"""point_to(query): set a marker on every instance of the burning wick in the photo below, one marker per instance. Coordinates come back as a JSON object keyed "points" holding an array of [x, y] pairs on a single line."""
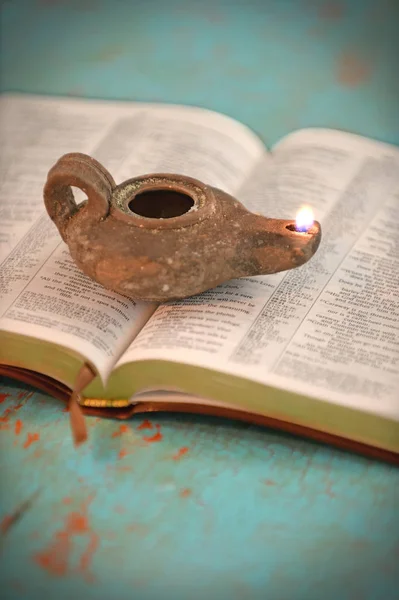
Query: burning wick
{"points": [[304, 219]]}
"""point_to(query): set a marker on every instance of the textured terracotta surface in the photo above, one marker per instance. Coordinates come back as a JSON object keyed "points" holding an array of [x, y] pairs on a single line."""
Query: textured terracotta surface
{"points": [[161, 236]]}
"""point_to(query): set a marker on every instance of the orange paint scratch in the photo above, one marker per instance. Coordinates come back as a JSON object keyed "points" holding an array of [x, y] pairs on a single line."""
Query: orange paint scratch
{"points": [[12, 519], [9, 411], [352, 70], [31, 438], [139, 528], [122, 453], [122, 429], [77, 523], [86, 558], [18, 427], [4, 397], [332, 10], [185, 493], [157, 437], [146, 425], [181, 452], [6, 523], [56, 557]]}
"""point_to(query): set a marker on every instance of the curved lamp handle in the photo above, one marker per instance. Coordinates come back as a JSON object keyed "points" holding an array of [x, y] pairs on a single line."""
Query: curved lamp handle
{"points": [[82, 171]]}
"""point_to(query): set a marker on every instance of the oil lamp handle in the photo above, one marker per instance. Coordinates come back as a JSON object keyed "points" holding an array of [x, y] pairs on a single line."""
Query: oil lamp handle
{"points": [[82, 171]]}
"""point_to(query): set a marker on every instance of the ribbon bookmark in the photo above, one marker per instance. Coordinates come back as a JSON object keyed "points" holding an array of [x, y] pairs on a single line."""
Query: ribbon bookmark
{"points": [[76, 417]]}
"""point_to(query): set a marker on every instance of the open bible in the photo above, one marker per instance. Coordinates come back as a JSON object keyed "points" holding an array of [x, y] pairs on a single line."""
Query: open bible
{"points": [[314, 351]]}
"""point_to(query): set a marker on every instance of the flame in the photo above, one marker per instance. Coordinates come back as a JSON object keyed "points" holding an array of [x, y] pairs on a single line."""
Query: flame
{"points": [[304, 219]]}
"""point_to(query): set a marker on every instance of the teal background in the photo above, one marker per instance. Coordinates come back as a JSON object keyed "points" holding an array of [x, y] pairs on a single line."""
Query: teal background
{"points": [[241, 511]]}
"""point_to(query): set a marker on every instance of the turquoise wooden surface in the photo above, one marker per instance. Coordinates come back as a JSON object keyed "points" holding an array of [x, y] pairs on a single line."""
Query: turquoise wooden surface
{"points": [[207, 507]]}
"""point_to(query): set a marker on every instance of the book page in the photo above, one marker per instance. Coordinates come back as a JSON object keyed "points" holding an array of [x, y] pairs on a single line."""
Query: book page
{"points": [[328, 329], [42, 293]]}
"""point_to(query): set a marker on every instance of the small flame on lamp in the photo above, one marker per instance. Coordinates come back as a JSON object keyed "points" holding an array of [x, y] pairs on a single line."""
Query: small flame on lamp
{"points": [[304, 219]]}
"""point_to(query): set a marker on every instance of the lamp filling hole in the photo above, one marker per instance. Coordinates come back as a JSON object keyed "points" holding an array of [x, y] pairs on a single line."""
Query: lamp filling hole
{"points": [[161, 204]]}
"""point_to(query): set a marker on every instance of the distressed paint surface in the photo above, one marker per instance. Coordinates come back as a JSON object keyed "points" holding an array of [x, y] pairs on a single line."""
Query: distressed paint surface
{"points": [[192, 506], [274, 65], [186, 507]]}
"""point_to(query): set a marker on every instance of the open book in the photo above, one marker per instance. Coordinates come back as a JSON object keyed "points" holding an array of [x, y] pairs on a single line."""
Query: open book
{"points": [[313, 350]]}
